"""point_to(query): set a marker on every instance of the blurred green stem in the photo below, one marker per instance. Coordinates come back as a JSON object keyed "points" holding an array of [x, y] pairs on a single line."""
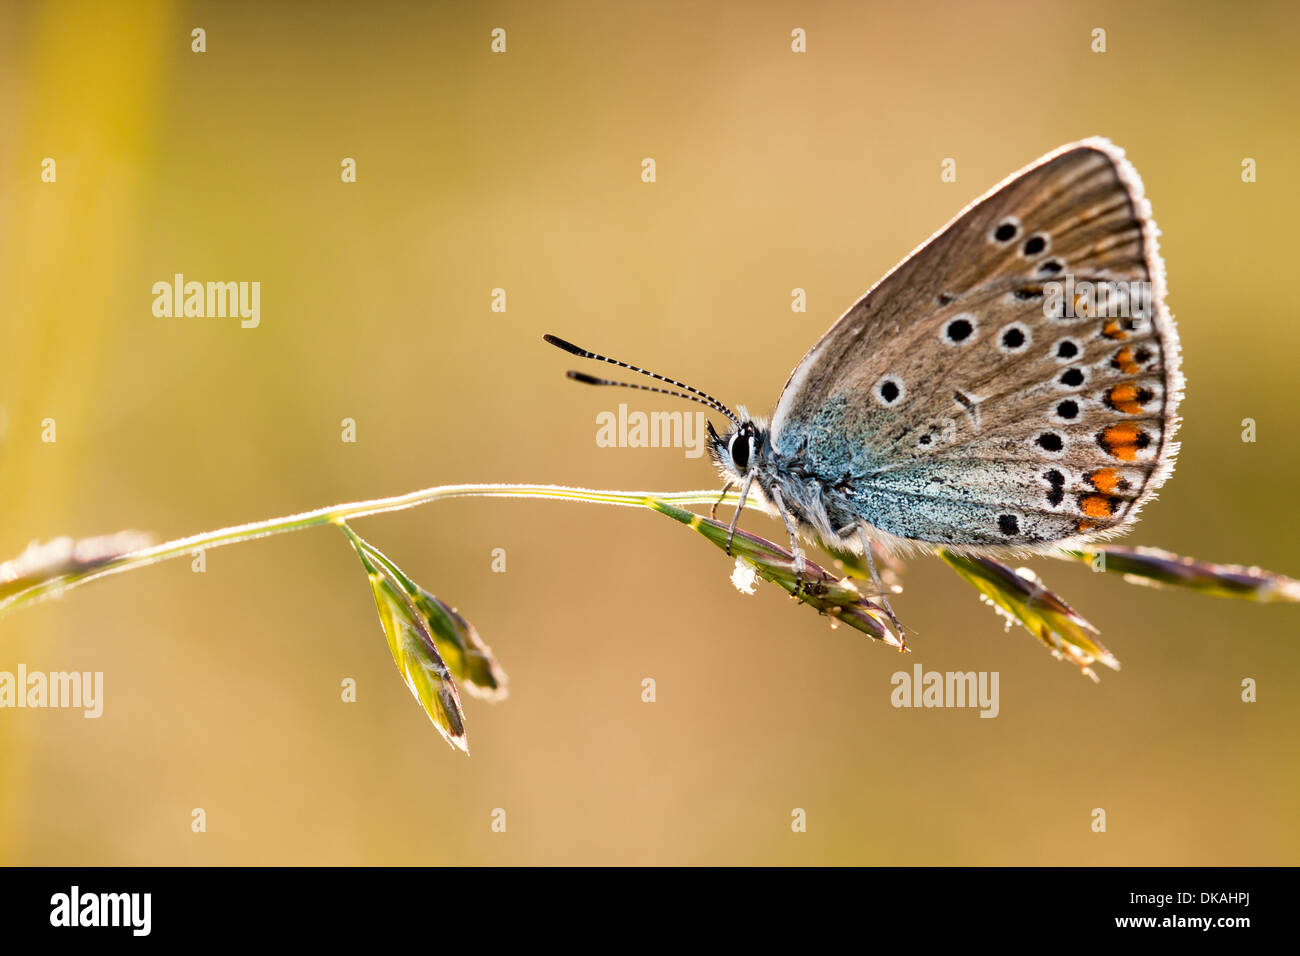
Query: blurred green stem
{"points": [[338, 514]]}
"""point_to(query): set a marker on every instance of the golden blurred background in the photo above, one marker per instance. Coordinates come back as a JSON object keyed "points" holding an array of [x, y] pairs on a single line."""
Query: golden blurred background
{"points": [[522, 171]]}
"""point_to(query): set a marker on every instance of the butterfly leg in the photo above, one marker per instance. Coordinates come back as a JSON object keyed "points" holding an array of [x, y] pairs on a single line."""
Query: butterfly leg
{"points": [[875, 579], [800, 561], [713, 512], [740, 506]]}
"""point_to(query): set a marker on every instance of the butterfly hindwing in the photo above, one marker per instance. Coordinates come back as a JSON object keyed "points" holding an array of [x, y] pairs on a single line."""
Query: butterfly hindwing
{"points": [[1012, 383]]}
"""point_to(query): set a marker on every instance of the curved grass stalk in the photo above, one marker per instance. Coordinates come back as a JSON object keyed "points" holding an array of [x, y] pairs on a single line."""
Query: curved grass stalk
{"points": [[40, 574], [47, 570]]}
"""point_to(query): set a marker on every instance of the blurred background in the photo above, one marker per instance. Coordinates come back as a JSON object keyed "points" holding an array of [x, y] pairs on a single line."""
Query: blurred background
{"points": [[522, 171]]}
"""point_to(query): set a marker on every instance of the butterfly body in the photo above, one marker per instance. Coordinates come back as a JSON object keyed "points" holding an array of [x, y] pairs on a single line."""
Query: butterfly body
{"points": [[1010, 387]]}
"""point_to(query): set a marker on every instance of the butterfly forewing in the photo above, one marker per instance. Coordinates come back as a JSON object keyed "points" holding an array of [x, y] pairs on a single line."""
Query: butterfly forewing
{"points": [[1012, 383]]}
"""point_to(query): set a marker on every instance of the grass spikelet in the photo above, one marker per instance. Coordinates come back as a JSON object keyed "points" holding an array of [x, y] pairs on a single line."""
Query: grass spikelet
{"points": [[839, 598], [1157, 568], [410, 636], [1021, 597]]}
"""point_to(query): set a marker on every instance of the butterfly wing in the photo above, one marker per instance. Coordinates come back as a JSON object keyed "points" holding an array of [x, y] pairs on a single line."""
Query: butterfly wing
{"points": [[1014, 382]]}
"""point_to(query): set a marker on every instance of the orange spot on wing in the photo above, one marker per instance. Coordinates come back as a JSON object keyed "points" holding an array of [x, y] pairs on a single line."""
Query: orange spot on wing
{"points": [[1096, 506], [1105, 480], [1112, 330], [1085, 525], [1125, 362], [1123, 398], [1121, 440]]}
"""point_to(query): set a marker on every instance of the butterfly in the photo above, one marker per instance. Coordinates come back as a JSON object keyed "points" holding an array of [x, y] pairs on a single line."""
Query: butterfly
{"points": [[1010, 387]]}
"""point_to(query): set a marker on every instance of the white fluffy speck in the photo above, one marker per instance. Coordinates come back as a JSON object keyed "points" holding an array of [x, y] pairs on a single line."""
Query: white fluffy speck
{"points": [[744, 577]]}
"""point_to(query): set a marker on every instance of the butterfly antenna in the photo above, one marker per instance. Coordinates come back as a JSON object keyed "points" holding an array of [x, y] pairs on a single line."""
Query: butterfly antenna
{"points": [[695, 394]]}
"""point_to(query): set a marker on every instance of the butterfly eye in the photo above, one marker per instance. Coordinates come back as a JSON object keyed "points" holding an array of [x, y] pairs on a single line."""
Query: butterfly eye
{"points": [[739, 450]]}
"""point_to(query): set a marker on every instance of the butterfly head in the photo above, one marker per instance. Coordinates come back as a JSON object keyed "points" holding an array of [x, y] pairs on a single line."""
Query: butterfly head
{"points": [[737, 450]]}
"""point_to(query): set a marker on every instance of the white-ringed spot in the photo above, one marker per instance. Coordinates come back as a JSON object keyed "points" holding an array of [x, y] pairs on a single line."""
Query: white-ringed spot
{"points": [[889, 390]]}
